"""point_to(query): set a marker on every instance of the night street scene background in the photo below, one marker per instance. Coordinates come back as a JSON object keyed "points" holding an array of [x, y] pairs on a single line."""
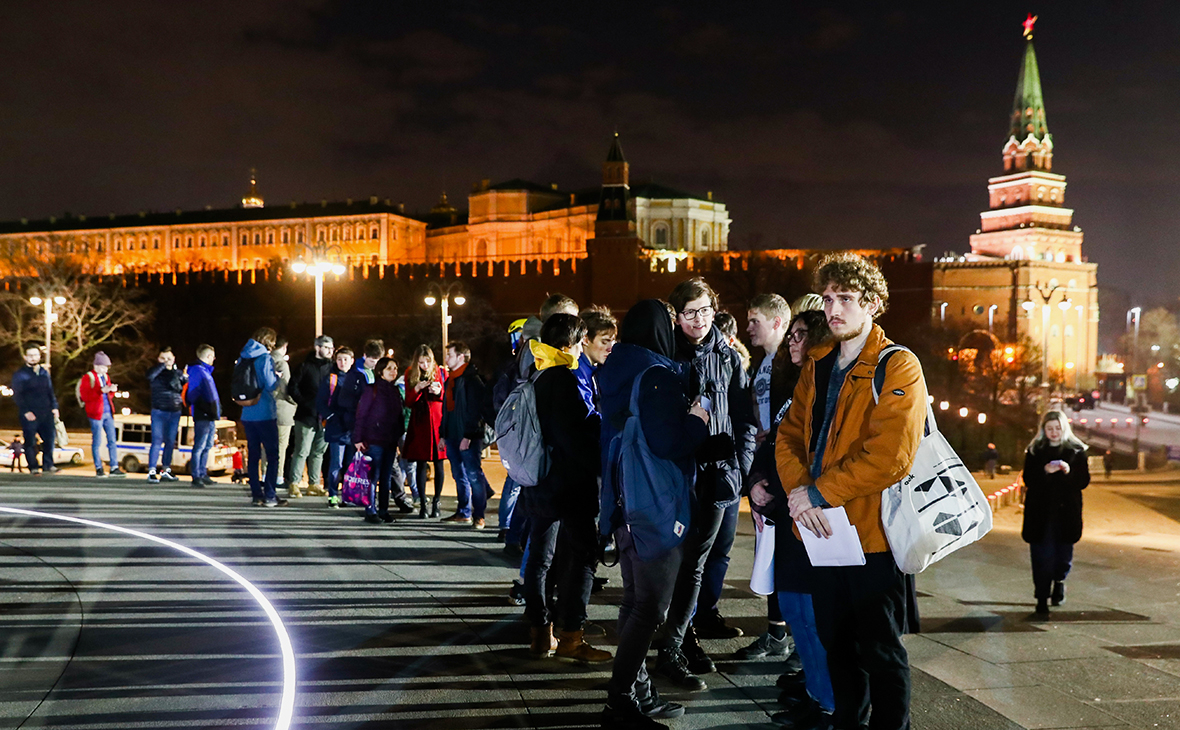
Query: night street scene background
{"points": [[180, 174]]}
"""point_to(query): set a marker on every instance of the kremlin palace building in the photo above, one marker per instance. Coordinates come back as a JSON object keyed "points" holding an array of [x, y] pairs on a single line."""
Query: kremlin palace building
{"points": [[1026, 277]]}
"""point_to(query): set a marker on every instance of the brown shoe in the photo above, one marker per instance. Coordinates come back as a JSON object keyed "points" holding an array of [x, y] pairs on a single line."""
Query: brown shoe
{"points": [[543, 643], [294, 493], [479, 523], [571, 647], [457, 519], [315, 490]]}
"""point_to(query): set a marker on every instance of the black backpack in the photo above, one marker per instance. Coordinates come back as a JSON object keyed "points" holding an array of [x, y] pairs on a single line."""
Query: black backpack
{"points": [[244, 387]]}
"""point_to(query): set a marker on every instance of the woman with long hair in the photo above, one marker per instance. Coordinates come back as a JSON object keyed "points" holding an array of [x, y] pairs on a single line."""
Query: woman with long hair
{"points": [[424, 397], [806, 694], [1055, 473]]}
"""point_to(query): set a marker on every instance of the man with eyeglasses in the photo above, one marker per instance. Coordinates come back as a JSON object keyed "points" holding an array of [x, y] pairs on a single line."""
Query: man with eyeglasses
{"points": [[719, 383]]}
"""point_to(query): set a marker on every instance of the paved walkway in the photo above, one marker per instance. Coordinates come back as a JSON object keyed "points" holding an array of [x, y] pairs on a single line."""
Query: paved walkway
{"points": [[408, 626]]}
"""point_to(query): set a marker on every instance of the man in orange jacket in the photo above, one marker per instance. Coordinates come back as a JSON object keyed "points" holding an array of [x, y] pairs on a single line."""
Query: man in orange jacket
{"points": [[837, 448]]}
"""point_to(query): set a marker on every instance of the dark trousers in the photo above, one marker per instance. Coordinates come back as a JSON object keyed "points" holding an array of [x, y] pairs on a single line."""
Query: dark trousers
{"points": [[1051, 561], [860, 613], [706, 526], [647, 592], [42, 427], [717, 564], [262, 435], [380, 475], [566, 544]]}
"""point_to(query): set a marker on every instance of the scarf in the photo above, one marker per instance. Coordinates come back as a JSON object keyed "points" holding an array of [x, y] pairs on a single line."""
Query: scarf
{"points": [[450, 386]]}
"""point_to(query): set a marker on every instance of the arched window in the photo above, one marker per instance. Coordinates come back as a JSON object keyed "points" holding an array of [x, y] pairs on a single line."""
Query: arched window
{"points": [[705, 239], [1069, 330], [225, 240], [1017, 253], [202, 242], [257, 239], [190, 242], [118, 245], [1054, 331], [377, 234], [660, 234], [270, 238], [156, 244], [286, 236]]}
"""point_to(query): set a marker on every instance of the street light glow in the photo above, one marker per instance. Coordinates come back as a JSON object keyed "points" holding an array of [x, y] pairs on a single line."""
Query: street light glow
{"points": [[460, 299], [299, 266], [944, 405], [963, 412], [338, 269], [430, 300], [982, 418], [1064, 304], [1027, 306], [59, 300], [35, 301]]}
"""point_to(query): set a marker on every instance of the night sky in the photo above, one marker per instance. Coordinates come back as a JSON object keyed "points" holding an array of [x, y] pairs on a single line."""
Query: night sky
{"points": [[819, 128]]}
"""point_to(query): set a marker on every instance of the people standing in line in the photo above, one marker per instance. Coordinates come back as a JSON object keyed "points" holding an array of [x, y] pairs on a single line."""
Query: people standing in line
{"points": [[715, 375], [836, 447], [167, 383], [991, 457], [32, 391], [424, 444], [674, 429], [562, 505], [97, 393], [376, 432], [336, 405], [807, 685], [205, 410], [307, 433], [462, 430], [261, 421], [767, 318], [1056, 471]]}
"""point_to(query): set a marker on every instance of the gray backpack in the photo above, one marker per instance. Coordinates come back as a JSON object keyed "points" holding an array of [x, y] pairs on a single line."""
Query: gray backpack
{"points": [[522, 450]]}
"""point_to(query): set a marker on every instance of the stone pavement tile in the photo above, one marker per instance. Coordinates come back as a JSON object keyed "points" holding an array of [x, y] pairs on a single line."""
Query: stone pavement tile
{"points": [[1001, 648], [961, 671], [1043, 707], [1127, 633], [1102, 679], [1157, 715], [1171, 666]]}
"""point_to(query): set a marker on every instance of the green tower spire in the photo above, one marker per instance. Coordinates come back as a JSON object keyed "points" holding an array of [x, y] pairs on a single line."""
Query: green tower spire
{"points": [[1028, 108]]}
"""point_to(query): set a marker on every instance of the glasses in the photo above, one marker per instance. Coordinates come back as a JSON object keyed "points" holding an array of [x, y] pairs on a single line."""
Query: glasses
{"points": [[693, 314], [797, 336]]}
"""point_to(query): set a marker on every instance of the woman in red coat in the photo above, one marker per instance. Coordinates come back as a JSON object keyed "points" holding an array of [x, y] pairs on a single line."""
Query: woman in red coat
{"points": [[424, 398]]}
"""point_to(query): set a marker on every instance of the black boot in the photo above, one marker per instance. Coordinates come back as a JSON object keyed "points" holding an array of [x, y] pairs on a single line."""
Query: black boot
{"points": [[698, 661], [671, 664], [624, 713], [1058, 595], [434, 508]]}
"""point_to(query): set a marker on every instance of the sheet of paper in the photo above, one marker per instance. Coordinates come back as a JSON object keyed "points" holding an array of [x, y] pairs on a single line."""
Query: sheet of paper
{"points": [[842, 548]]}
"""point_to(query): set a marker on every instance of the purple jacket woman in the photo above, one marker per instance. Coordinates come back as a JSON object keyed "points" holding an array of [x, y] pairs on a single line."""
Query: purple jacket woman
{"points": [[379, 419]]}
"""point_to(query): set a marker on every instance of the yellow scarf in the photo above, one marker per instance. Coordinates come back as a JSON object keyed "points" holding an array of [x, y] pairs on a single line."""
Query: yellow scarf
{"points": [[546, 357]]}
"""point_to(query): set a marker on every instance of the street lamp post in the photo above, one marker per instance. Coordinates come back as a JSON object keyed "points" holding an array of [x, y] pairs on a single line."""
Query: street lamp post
{"points": [[1083, 332], [317, 261], [1045, 294], [50, 317], [1135, 313], [442, 294], [1064, 305]]}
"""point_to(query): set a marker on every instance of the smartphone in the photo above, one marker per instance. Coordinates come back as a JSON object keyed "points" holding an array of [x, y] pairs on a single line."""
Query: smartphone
{"points": [[707, 404]]}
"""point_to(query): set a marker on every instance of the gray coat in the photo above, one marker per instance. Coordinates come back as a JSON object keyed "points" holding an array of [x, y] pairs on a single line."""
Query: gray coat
{"points": [[284, 404]]}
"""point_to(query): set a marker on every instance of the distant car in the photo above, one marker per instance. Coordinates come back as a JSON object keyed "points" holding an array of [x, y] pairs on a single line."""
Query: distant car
{"points": [[1080, 402], [61, 455], [133, 440]]}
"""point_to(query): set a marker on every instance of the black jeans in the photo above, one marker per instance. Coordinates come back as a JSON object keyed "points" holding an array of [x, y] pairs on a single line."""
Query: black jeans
{"points": [[860, 613], [573, 539], [706, 525], [1051, 561], [44, 428], [647, 592]]}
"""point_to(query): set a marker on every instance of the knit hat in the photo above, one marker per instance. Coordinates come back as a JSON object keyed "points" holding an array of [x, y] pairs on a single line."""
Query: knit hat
{"points": [[100, 358]]}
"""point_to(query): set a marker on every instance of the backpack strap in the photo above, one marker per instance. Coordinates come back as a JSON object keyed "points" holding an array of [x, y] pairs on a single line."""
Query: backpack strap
{"points": [[883, 359]]}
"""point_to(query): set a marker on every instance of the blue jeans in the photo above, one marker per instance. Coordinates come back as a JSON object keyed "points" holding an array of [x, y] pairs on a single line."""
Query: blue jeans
{"points": [[165, 424], [44, 428], [380, 474], [798, 612], [262, 435], [717, 564], [98, 427], [332, 466], [508, 499], [203, 433], [470, 483], [411, 475]]}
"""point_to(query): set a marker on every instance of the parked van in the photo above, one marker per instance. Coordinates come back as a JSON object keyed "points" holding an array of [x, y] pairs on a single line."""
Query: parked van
{"points": [[133, 440]]}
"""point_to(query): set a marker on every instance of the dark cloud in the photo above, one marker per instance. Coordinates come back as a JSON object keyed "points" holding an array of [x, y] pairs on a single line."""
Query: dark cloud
{"points": [[818, 127]]}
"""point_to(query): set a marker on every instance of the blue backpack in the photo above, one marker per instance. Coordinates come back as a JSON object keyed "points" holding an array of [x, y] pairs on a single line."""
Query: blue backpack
{"points": [[654, 494]]}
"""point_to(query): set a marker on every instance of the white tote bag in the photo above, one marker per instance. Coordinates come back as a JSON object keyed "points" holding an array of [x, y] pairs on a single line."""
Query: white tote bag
{"points": [[762, 577], [938, 507]]}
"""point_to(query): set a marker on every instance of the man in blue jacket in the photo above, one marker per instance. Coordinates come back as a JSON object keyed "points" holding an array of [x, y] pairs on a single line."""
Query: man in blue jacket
{"points": [[167, 383], [336, 402], [205, 409], [260, 419], [32, 389]]}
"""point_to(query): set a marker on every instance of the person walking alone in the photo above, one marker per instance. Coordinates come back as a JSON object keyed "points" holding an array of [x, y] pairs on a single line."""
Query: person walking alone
{"points": [[205, 409], [1056, 471]]}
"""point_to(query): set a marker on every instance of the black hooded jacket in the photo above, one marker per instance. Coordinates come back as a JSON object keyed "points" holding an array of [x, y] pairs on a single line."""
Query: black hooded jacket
{"points": [[715, 370]]}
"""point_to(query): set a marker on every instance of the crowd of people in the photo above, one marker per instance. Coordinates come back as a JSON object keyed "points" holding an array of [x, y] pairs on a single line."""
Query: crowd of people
{"points": [[653, 430]]}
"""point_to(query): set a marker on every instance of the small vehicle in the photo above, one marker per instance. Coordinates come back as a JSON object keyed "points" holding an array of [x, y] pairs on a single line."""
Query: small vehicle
{"points": [[133, 443], [1080, 402], [61, 455]]}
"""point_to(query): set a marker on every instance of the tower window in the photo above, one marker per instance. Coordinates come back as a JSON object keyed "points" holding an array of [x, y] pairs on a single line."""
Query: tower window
{"points": [[202, 242], [376, 234], [190, 241], [661, 234]]}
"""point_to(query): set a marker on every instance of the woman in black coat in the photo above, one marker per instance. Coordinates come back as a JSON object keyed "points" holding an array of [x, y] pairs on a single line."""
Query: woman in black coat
{"points": [[1055, 473]]}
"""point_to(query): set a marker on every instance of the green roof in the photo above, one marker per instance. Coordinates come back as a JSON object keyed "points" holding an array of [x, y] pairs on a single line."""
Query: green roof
{"points": [[1028, 108]]}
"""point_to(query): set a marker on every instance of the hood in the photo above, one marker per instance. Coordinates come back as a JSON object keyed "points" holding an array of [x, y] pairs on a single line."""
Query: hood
{"points": [[531, 329], [617, 375], [198, 365], [648, 325], [545, 356], [686, 350], [254, 348]]}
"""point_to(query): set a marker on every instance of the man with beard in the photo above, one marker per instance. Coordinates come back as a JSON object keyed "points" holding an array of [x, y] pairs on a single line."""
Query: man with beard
{"points": [[837, 448]]}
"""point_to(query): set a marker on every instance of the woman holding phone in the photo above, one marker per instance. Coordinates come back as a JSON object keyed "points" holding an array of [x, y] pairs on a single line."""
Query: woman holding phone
{"points": [[424, 398], [1055, 473]]}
